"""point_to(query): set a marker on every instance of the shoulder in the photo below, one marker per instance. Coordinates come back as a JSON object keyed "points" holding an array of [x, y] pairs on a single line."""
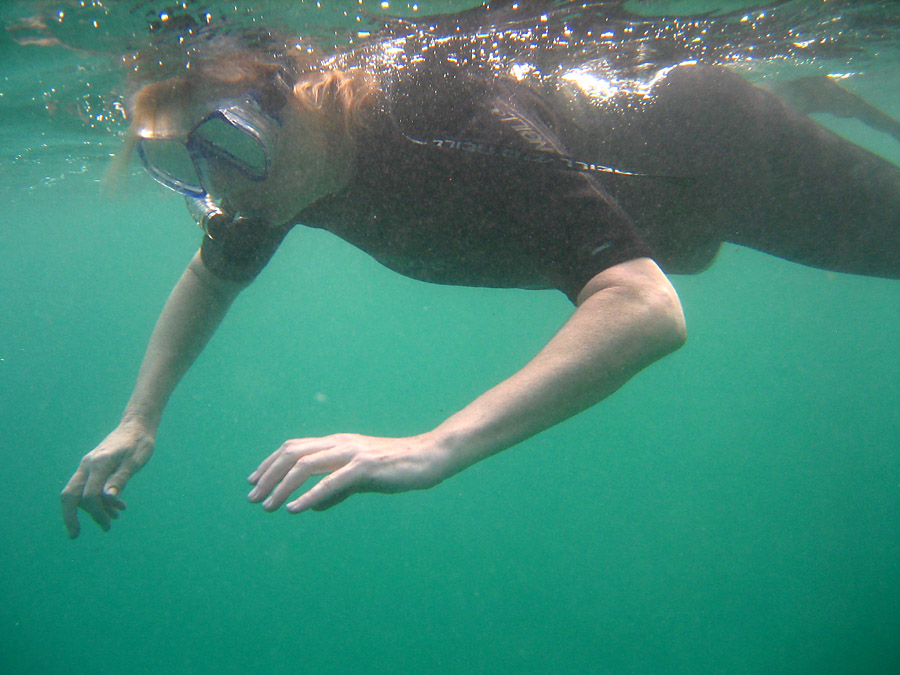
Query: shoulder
{"points": [[701, 82], [240, 251], [697, 74]]}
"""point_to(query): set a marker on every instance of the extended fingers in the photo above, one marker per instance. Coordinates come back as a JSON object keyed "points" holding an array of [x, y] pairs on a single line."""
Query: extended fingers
{"points": [[320, 462], [330, 491], [264, 466], [282, 461], [297, 447]]}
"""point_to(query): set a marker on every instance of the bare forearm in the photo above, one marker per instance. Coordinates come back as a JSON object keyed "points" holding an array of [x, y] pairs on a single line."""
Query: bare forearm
{"points": [[616, 331], [628, 316], [195, 308]]}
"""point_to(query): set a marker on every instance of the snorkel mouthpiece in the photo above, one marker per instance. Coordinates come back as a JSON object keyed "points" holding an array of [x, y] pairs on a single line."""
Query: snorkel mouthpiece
{"points": [[210, 216]]}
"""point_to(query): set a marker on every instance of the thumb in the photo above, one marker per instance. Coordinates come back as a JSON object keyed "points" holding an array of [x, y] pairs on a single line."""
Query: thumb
{"points": [[115, 484]]}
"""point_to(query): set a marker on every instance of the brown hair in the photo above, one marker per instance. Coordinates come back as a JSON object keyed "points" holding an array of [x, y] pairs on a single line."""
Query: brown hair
{"points": [[336, 94]]}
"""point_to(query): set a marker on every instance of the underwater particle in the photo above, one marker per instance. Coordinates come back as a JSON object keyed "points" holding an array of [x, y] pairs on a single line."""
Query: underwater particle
{"points": [[319, 397]]}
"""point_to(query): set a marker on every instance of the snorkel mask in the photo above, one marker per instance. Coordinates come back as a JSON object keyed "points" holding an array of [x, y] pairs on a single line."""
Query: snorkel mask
{"points": [[237, 133]]}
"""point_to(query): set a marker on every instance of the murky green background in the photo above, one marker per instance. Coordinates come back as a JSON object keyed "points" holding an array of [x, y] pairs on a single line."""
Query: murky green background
{"points": [[735, 509]]}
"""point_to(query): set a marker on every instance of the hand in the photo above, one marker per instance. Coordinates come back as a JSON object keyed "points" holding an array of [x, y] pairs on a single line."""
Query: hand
{"points": [[353, 463], [102, 476]]}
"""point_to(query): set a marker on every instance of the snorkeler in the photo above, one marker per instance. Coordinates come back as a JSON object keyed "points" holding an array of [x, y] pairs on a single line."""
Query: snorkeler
{"points": [[451, 173]]}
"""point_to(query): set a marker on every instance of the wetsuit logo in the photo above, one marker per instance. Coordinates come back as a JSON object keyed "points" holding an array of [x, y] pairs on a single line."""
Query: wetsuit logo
{"points": [[527, 129], [496, 150], [545, 149], [547, 158]]}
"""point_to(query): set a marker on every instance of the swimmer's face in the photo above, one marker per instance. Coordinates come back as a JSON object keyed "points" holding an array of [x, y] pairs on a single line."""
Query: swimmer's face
{"points": [[303, 168], [305, 162]]}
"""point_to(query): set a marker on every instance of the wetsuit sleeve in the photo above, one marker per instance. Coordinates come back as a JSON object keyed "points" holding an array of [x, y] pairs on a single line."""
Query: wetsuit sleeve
{"points": [[240, 252], [580, 231], [577, 228]]}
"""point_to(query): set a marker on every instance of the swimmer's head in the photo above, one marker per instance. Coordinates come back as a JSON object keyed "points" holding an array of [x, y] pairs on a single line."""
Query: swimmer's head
{"points": [[265, 131]]}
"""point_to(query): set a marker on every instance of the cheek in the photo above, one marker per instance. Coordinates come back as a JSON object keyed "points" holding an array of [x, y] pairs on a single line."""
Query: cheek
{"points": [[222, 181], [284, 193], [278, 198], [239, 192]]}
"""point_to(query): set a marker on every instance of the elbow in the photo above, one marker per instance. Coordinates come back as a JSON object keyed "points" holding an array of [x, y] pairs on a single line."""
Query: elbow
{"points": [[665, 323], [655, 320], [645, 300]]}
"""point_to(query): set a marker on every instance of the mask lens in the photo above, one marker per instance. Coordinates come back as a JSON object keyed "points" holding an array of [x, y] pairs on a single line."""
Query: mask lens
{"points": [[219, 139], [170, 163]]}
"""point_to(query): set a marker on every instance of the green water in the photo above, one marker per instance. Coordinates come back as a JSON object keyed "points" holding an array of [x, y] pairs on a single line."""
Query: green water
{"points": [[734, 509]]}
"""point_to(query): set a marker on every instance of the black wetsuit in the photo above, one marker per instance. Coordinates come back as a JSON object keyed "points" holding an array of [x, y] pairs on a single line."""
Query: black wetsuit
{"points": [[464, 179]]}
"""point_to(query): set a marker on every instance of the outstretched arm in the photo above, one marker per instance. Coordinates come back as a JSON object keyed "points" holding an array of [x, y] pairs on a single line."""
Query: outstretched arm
{"points": [[628, 316], [191, 315]]}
